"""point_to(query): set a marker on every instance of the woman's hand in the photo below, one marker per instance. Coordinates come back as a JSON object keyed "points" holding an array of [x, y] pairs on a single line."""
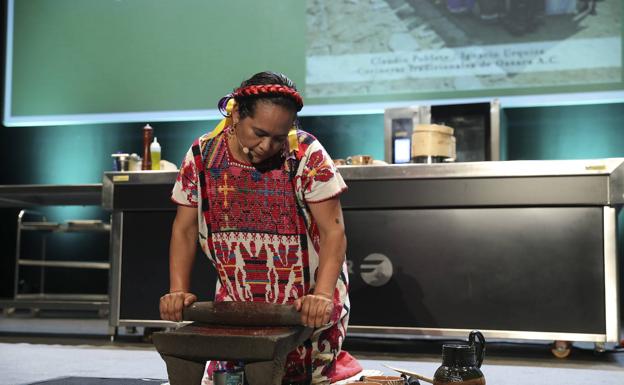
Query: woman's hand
{"points": [[315, 309], [171, 305]]}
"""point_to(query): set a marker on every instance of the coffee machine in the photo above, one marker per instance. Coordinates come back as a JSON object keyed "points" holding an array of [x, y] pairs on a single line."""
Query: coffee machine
{"points": [[476, 127]]}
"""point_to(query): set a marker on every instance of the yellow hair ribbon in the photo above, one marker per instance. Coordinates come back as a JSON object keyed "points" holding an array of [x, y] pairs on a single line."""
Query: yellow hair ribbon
{"points": [[293, 141], [227, 121]]}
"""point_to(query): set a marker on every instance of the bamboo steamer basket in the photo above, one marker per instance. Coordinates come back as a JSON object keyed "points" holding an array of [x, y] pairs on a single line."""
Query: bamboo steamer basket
{"points": [[433, 140]]}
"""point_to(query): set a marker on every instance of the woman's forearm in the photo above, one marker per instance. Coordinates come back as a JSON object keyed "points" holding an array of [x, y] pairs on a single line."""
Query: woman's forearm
{"points": [[181, 258], [333, 246]]}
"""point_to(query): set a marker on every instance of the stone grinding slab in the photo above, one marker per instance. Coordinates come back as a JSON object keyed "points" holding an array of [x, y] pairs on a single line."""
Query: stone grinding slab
{"points": [[199, 341]]}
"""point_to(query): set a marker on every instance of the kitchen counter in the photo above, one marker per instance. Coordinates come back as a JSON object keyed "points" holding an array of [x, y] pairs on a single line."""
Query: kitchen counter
{"points": [[519, 250], [515, 183], [23, 196]]}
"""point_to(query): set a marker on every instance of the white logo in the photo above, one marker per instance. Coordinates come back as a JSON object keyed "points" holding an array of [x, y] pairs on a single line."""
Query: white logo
{"points": [[376, 269]]}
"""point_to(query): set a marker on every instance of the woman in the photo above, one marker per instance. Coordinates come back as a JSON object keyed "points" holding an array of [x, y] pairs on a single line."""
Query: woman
{"points": [[262, 196]]}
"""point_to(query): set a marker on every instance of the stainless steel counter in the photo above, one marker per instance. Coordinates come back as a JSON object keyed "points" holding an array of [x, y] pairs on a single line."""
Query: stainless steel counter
{"points": [[513, 183], [521, 249], [607, 166], [518, 168], [23, 196]]}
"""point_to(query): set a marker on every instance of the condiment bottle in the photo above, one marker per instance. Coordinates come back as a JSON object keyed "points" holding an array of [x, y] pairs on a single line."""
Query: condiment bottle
{"points": [[155, 153], [148, 133]]}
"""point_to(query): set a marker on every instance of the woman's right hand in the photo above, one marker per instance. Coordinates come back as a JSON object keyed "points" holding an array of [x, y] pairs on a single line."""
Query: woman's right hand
{"points": [[171, 305]]}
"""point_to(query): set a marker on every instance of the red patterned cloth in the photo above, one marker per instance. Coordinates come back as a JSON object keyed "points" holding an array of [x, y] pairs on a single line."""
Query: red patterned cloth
{"points": [[257, 230]]}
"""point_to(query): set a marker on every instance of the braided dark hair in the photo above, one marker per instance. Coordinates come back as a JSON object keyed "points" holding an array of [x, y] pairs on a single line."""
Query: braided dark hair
{"points": [[284, 93]]}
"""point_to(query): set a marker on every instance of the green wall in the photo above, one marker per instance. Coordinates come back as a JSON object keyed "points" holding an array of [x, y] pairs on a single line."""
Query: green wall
{"points": [[80, 154], [570, 132]]}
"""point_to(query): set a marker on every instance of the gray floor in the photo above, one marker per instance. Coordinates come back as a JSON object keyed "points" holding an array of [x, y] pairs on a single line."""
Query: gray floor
{"points": [[36, 349]]}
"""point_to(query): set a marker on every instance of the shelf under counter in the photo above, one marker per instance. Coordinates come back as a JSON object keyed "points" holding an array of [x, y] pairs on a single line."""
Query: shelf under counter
{"points": [[35, 302], [68, 264], [32, 272], [65, 227]]}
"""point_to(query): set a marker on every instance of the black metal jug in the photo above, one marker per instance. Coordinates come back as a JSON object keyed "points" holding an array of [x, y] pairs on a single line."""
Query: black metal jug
{"points": [[461, 363]]}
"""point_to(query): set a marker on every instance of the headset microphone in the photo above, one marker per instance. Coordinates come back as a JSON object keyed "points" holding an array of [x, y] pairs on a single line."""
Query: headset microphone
{"points": [[245, 149]]}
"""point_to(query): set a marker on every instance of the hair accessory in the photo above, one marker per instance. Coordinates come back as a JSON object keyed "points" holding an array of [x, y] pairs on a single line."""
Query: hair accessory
{"points": [[268, 89], [293, 140], [226, 106]]}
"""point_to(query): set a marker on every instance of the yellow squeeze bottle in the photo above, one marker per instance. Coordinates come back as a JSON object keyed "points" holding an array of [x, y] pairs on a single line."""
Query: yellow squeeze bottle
{"points": [[155, 154]]}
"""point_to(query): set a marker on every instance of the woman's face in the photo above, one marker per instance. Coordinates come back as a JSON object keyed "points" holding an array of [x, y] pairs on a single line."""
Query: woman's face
{"points": [[266, 132]]}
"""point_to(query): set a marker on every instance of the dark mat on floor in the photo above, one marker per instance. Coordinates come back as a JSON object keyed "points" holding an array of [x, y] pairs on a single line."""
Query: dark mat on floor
{"points": [[99, 381]]}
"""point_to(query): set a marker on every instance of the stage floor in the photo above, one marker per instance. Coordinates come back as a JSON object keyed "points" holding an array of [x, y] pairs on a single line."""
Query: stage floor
{"points": [[36, 349]]}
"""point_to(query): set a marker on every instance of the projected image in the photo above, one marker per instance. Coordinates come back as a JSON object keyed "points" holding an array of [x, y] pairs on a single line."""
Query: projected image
{"points": [[391, 47]]}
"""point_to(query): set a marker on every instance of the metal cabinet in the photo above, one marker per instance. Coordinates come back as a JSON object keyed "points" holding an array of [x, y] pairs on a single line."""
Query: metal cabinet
{"points": [[142, 215], [519, 250]]}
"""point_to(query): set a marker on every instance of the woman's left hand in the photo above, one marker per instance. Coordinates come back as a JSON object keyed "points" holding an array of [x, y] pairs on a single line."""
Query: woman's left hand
{"points": [[315, 310]]}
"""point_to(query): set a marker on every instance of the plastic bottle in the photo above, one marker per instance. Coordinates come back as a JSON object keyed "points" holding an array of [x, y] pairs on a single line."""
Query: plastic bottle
{"points": [[155, 154], [148, 133]]}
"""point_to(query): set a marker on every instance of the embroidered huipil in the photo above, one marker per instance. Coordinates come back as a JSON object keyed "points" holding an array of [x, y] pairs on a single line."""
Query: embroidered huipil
{"points": [[257, 230]]}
